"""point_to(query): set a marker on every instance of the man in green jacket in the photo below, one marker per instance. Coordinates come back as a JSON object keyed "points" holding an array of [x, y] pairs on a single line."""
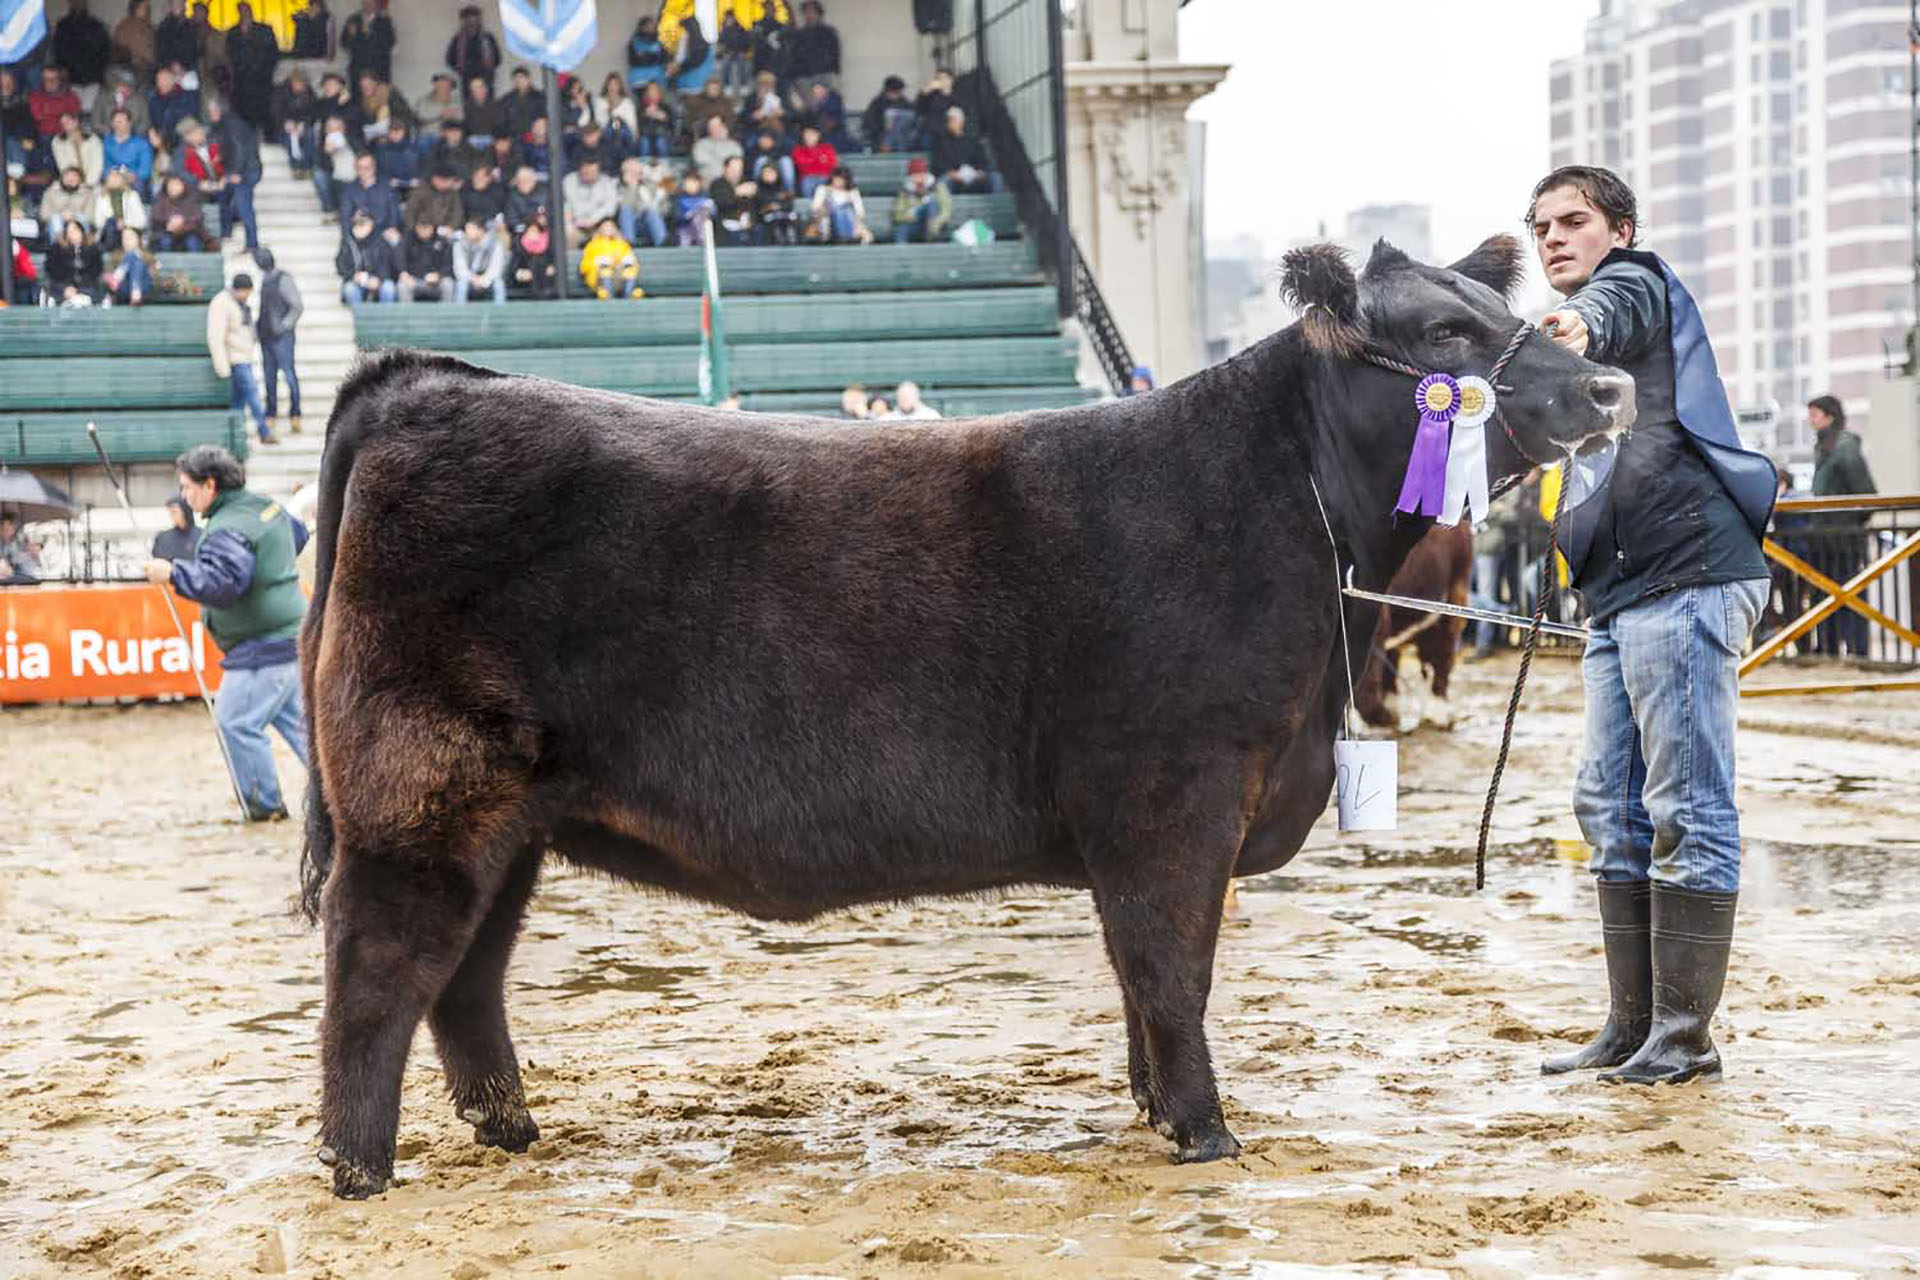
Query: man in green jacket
{"points": [[1839, 546], [244, 578]]}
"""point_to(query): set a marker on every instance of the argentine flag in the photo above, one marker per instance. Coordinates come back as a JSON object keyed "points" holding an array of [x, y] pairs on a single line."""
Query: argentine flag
{"points": [[554, 33], [23, 25]]}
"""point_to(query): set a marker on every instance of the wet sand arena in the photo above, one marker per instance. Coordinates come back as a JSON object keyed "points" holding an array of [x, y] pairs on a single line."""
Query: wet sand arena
{"points": [[938, 1088]]}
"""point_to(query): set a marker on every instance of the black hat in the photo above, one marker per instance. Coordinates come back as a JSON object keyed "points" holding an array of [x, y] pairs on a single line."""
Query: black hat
{"points": [[893, 82], [242, 281]]}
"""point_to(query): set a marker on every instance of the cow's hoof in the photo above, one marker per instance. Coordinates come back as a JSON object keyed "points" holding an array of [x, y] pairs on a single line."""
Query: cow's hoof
{"points": [[510, 1129], [357, 1182], [1217, 1145]]}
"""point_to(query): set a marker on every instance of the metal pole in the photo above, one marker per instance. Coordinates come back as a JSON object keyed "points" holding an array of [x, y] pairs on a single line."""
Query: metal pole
{"points": [[6, 216], [1913, 176], [206, 699], [1057, 84], [556, 170]]}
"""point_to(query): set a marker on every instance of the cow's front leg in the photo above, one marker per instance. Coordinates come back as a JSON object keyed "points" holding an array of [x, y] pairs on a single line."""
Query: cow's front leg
{"points": [[397, 928], [469, 1022], [1160, 932]]}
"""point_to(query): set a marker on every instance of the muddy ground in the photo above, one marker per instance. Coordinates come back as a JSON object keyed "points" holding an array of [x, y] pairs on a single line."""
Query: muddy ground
{"points": [[938, 1088]]}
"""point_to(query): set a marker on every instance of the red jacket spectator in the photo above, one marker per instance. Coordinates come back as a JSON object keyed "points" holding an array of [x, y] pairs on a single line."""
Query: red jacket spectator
{"points": [[204, 166], [816, 161], [49, 103], [23, 272]]}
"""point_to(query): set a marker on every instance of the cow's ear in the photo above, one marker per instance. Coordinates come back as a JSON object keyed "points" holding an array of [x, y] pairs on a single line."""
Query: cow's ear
{"points": [[1317, 281], [1495, 264]]}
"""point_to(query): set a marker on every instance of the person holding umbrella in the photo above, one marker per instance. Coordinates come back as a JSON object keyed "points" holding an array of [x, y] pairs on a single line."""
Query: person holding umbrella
{"points": [[25, 497], [19, 558]]}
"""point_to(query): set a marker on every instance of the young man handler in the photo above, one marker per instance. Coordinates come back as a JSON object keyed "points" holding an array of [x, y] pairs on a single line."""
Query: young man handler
{"points": [[1666, 552]]}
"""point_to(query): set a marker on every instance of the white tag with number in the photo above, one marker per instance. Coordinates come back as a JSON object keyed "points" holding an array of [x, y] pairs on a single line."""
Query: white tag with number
{"points": [[1366, 781]]}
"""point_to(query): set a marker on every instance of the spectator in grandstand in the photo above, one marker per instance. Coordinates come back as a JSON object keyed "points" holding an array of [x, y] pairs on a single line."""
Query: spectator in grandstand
{"points": [[336, 170], [244, 577], [368, 38], [773, 208], [486, 115], [120, 94], [590, 198], [839, 214], [621, 114], [641, 201], [181, 537], [213, 71], [239, 148], [179, 222], [230, 343], [75, 148], [295, 112], [479, 262], [814, 160], [853, 402], [700, 108], [169, 103], [436, 202], [734, 194], [762, 102], [52, 100], [531, 263], [879, 410], [336, 99], [824, 106], [176, 41], [484, 198], [813, 51], [960, 159], [74, 267], [693, 60], [365, 261], [593, 141], [19, 557], [506, 156], [124, 149], [579, 108], [254, 53], [313, 33], [908, 404], [535, 148], [923, 208], [733, 53], [768, 147], [522, 104], [26, 281], [396, 159], [67, 201], [890, 122], [117, 205], [426, 271], [690, 206], [280, 310], [18, 115], [930, 107], [647, 58], [131, 282], [452, 153], [1140, 381], [607, 264], [711, 153], [440, 101], [82, 45], [527, 200], [374, 105], [473, 53], [131, 47]]}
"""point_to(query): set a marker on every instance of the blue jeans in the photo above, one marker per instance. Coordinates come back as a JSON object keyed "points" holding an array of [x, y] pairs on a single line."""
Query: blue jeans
{"points": [[1654, 794], [236, 205], [917, 225], [248, 703], [631, 220], [277, 355], [351, 293], [840, 218], [463, 288], [246, 395], [136, 281]]}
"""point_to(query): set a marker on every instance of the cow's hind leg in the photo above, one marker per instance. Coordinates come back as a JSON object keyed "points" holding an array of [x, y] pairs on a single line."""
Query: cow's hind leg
{"points": [[1140, 1078], [469, 1021], [1160, 930]]}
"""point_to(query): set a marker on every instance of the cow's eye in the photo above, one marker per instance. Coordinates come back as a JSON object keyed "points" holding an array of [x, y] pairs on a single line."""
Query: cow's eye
{"points": [[1439, 333]]}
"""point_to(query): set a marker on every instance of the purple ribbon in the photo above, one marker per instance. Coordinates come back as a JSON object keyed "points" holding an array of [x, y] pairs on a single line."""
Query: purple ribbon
{"points": [[1424, 491]]}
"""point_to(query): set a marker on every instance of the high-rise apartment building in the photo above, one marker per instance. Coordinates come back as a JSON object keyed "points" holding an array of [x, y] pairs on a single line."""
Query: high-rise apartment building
{"points": [[1768, 143]]}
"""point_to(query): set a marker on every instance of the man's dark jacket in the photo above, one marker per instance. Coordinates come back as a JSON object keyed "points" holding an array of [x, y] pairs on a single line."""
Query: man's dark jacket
{"points": [[1686, 504]]}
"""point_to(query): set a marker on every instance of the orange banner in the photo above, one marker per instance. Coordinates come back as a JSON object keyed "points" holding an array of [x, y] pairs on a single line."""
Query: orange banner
{"points": [[109, 640]]}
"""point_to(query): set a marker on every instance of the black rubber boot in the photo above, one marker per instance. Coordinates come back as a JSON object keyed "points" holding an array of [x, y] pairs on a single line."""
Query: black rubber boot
{"points": [[1692, 935], [1625, 925]]}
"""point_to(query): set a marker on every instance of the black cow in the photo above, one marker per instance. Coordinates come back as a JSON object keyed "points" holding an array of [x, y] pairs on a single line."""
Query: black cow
{"points": [[788, 667]]}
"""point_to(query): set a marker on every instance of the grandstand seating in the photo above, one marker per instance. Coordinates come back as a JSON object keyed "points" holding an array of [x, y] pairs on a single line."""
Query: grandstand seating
{"points": [[200, 272]]}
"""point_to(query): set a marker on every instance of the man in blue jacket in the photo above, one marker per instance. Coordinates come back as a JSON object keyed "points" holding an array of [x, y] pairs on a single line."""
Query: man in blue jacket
{"points": [[1664, 544], [244, 578]]}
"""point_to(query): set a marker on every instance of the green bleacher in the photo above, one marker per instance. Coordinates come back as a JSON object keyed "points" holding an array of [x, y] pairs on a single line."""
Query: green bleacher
{"points": [[183, 277]]}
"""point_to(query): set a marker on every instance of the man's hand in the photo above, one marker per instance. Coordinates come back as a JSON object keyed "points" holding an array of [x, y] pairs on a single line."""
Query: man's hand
{"points": [[1572, 331], [160, 572]]}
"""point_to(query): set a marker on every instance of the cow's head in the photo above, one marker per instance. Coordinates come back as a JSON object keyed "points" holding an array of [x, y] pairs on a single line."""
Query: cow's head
{"points": [[1455, 320]]}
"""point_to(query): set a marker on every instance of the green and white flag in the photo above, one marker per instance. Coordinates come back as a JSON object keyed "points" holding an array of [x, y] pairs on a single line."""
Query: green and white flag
{"points": [[714, 383]]}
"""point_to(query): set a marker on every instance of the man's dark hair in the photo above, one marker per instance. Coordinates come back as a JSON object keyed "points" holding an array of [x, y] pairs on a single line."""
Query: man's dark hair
{"points": [[1603, 189], [206, 462], [1831, 407]]}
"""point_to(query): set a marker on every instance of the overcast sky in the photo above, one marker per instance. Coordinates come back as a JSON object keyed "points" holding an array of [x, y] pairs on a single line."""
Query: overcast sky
{"points": [[1333, 104]]}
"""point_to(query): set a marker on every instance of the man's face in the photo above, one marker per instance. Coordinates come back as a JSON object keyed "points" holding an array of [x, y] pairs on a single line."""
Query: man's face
{"points": [[122, 124], [590, 171], [524, 180], [1571, 237], [70, 179], [1819, 417], [50, 80], [198, 494], [163, 80], [522, 82], [6, 528], [363, 170]]}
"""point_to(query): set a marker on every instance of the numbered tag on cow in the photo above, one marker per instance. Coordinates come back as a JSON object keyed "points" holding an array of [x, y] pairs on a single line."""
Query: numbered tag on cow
{"points": [[1367, 782]]}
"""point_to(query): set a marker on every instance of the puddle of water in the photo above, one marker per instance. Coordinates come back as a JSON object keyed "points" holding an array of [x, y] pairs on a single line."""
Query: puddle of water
{"points": [[269, 1024], [111, 1042], [1677, 1261], [618, 975]]}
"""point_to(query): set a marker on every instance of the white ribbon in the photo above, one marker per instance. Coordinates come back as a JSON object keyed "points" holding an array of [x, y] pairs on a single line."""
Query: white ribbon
{"points": [[1467, 455]]}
